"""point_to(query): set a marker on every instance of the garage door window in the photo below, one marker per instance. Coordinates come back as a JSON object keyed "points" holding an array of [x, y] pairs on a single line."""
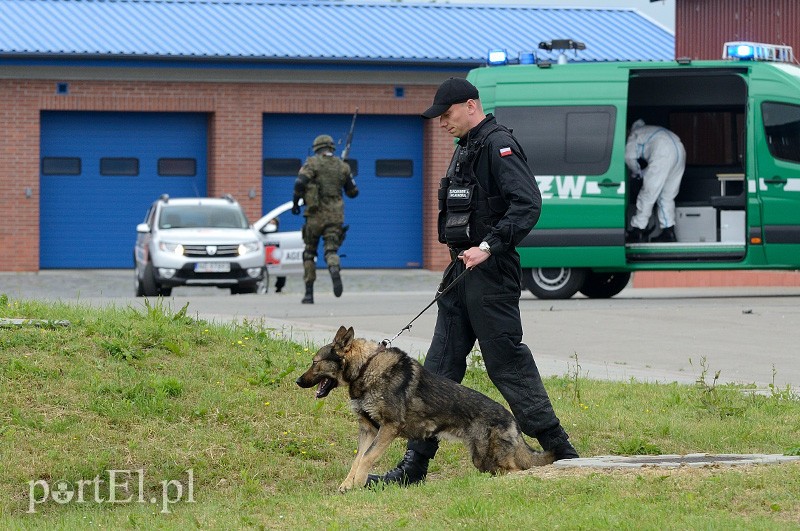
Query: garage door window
{"points": [[281, 167], [61, 166], [177, 167], [394, 168], [119, 166], [353, 163]]}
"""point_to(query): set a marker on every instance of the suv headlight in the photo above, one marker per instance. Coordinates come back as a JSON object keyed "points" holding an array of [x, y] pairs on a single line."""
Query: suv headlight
{"points": [[175, 248], [248, 247]]}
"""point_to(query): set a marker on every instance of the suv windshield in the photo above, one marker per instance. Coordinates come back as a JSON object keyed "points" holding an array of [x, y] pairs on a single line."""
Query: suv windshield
{"points": [[194, 216]]}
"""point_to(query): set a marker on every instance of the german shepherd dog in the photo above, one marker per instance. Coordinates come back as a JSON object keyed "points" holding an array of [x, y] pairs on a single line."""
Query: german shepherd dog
{"points": [[394, 396]]}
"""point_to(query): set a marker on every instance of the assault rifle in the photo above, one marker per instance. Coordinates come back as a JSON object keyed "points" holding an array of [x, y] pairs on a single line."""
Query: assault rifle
{"points": [[349, 140]]}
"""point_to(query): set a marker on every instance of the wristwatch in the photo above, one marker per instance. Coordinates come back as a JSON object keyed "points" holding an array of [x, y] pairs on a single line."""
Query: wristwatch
{"points": [[484, 246]]}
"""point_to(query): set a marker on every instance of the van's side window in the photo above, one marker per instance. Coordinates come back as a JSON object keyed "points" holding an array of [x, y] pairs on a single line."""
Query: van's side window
{"points": [[563, 140], [782, 130]]}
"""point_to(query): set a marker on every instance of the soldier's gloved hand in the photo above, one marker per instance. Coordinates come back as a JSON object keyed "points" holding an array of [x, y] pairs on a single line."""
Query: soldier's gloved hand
{"points": [[295, 208]]}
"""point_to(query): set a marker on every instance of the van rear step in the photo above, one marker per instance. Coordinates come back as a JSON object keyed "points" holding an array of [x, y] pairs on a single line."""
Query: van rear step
{"points": [[685, 252]]}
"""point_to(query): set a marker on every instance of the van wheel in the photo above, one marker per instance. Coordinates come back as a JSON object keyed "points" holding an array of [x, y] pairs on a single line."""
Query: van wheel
{"points": [[604, 285], [553, 282]]}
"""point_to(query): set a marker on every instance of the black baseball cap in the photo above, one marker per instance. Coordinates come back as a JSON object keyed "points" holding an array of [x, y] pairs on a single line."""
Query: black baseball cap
{"points": [[454, 90]]}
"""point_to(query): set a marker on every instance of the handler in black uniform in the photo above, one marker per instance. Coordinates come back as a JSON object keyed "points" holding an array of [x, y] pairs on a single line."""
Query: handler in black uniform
{"points": [[488, 202]]}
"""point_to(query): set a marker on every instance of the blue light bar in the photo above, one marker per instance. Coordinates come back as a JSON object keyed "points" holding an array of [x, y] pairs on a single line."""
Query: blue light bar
{"points": [[756, 51], [497, 57], [741, 51], [527, 58]]}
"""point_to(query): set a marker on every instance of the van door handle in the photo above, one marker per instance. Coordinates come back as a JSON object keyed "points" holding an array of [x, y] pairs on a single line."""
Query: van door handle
{"points": [[776, 180], [608, 182]]}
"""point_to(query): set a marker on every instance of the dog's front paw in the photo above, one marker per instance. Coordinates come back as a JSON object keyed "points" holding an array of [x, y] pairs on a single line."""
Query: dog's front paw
{"points": [[346, 485]]}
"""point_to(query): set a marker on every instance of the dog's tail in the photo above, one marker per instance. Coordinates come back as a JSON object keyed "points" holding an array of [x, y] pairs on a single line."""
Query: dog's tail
{"points": [[526, 457]]}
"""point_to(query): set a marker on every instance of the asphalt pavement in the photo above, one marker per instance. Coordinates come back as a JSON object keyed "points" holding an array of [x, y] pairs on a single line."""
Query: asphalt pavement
{"points": [[751, 335]]}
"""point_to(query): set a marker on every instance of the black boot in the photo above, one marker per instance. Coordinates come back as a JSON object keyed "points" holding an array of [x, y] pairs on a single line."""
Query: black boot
{"points": [[309, 298], [337, 280], [556, 440], [411, 469], [667, 235], [280, 282], [565, 450]]}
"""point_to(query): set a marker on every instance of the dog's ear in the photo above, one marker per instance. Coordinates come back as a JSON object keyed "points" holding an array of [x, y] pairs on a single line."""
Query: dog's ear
{"points": [[344, 336]]}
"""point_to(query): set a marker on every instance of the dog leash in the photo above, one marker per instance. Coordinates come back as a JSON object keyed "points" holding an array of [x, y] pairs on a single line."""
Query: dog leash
{"points": [[388, 342]]}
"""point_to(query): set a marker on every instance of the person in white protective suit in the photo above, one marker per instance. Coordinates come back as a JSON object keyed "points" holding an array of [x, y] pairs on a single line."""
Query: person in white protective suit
{"points": [[657, 156]]}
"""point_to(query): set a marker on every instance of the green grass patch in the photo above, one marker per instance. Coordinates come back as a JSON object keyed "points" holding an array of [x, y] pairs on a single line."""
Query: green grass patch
{"points": [[168, 408]]}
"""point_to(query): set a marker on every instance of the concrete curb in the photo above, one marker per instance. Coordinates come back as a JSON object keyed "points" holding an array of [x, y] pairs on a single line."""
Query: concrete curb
{"points": [[675, 461]]}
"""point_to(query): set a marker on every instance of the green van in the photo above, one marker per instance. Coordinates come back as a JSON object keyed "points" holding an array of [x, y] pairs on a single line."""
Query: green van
{"points": [[739, 202]]}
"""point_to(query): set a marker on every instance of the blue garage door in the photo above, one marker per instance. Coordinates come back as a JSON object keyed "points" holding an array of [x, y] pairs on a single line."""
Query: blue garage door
{"points": [[100, 171], [386, 218]]}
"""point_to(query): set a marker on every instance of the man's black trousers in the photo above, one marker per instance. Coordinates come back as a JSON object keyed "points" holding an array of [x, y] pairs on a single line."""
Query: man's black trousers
{"points": [[484, 305]]}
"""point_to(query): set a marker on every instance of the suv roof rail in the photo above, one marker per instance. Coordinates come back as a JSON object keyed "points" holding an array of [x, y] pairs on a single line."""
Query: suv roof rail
{"points": [[229, 197], [164, 197]]}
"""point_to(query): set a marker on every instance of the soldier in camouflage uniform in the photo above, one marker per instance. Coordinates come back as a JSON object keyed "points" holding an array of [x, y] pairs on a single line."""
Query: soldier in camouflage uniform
{"points": [[320, 183]]}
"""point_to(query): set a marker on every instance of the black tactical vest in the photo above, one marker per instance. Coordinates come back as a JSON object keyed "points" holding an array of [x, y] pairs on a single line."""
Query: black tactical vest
{"points": [[466, 210]]}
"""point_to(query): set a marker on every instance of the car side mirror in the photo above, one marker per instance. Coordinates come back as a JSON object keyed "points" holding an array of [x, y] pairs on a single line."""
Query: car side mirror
{"points": [[270, 227], [143, 228]]}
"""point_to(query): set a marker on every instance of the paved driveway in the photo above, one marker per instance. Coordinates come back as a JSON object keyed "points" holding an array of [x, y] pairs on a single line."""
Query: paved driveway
{"points": [[750, 335]]}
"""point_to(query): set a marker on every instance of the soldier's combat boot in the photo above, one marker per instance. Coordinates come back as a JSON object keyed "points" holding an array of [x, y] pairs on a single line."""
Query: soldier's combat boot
{"points": [[411, 469], [309, 298], [337, 280]]}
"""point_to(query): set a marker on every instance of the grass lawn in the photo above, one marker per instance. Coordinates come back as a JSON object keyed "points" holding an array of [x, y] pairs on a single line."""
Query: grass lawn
{"points": [[143, 417]]}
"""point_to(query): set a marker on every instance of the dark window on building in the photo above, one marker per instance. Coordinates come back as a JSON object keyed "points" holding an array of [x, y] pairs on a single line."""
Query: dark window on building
{"points": [[281, 167], [563, 140], [119, 166], [353, 163], [177, 167], [61, 166], [394, 168], [782, 130]]}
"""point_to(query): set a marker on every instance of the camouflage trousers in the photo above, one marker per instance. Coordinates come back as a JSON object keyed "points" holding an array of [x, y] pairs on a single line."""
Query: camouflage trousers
{"points": [[331, 234]]}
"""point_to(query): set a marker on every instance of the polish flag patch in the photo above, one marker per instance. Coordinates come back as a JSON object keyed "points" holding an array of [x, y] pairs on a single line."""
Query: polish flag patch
{"points": [[506, 151]]}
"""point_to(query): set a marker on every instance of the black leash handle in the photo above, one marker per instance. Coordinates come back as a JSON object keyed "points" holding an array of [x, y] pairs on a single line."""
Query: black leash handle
{"points": [[388, 342]]}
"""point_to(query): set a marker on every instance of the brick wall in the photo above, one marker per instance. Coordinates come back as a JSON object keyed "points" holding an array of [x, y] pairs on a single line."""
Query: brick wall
{"points": [[438, 149], [690, 279], [234, 142]]}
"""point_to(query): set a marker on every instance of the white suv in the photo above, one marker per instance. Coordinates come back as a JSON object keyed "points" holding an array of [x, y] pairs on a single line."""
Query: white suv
{"points": [[197, 242]]}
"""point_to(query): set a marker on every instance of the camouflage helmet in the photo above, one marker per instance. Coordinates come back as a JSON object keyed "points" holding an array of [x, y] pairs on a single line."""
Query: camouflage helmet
{"points": [[323, 141]]}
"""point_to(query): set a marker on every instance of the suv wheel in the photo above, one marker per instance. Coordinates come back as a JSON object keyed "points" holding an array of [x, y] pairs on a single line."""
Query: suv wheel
{"points": [[145, 286]]}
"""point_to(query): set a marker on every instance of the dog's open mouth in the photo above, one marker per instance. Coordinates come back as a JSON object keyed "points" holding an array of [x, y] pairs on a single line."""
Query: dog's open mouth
{"points": [[326, 386]]}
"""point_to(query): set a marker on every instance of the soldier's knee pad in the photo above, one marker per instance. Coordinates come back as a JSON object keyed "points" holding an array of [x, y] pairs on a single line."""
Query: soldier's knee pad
{"points": [[332, 259]]}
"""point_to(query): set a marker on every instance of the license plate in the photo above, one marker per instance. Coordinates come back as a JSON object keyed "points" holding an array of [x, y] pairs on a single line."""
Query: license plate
{"points": [[212, 267]]}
